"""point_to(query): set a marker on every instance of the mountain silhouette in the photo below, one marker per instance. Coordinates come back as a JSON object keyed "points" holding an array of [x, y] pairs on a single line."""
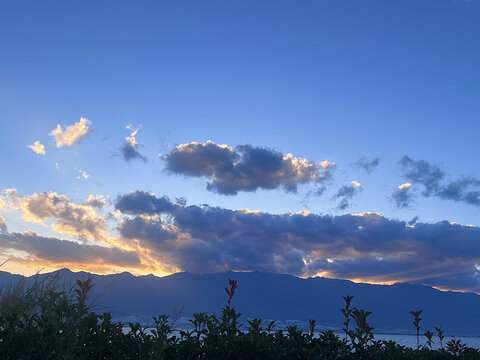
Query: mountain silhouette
{"points": [[277, 297]]}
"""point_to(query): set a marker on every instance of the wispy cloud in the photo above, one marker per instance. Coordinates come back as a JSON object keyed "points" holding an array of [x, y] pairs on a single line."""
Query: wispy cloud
{"points": [[71, 134], [37, 148], [367, 163], [82, 174], [346, 193], [432, 178], [245, 168], [129, 149]]}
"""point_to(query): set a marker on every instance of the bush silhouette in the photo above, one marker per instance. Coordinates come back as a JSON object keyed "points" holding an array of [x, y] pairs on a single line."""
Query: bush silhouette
{"points": [[49, 320]]}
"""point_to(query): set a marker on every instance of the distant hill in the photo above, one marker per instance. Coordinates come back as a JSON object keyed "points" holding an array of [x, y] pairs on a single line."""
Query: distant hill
{"points": [[281, 297]]}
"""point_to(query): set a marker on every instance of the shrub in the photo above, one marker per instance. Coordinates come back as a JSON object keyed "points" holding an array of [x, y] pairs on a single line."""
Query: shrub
{"points": [[49, 320]]}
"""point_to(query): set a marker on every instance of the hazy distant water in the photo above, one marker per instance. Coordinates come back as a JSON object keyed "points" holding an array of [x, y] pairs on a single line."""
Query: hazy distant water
{"points": [[411, 340], [408, 340]]}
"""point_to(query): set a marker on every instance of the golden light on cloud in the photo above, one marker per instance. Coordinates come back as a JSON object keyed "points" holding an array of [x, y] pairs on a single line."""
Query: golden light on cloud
{"points": [[37, 148], [131, 140], [72, 134], [32, 265], [326, 164], [356, 183], [77, 220], [404, 186], [82, 174], [371, 281]]}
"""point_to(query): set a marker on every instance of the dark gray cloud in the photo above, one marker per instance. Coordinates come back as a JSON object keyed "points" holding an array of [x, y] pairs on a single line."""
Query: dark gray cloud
{"points": [[403, 196], [366, 246], [151, 230], [142, 202], [346, 193], [245, 168], [53, 250], [432, 178], [422, 172], [367, 163], [129, 149]]}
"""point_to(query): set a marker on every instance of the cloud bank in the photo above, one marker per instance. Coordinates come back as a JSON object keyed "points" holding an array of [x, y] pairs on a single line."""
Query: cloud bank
{"points": [[245, 168], [366, 247], [71, 134], [52, 251]]}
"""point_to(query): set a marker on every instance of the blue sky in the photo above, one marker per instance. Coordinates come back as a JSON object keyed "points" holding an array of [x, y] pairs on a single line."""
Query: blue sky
{"points": [[322, 80]]}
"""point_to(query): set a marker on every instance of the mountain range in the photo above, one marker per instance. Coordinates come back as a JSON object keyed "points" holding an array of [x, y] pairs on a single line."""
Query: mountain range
{"points": [[277, 297]]}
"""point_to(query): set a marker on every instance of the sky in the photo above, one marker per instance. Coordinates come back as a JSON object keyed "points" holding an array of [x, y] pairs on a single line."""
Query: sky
{"points": [[314, 138]]}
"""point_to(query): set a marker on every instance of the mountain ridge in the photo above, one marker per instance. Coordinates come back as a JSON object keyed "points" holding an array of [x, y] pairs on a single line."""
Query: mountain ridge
{"points": [[280, 297]]}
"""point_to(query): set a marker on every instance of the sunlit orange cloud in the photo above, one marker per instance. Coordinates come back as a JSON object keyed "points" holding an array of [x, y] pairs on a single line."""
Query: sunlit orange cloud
{"points": [[76, 220], [370, 280], [71, 134], [32, 265], [443, 288], [391, 279]]}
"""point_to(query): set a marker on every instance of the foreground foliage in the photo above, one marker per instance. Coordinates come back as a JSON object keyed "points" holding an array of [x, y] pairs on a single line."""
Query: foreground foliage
{"points": [[47, 321]]}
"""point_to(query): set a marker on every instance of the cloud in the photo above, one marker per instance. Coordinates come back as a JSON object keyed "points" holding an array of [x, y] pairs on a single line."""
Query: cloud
{"points": [[95, 201], [367, 163], [37, 148], [151, 230], [245, 168], [432, 178], [143, 202], [82, 174], [72, 134], [366, 247], [129, 149], [80, 221], [403, 196], [55, 251], [3, 226], [346, 193], [3, 203]]}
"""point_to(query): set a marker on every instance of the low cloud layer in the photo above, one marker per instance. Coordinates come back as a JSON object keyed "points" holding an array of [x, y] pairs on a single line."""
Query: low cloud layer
{"points": [[50, 250], [367, 247], [432, 178], [129, 149], [245, 168], [71, 134]]}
